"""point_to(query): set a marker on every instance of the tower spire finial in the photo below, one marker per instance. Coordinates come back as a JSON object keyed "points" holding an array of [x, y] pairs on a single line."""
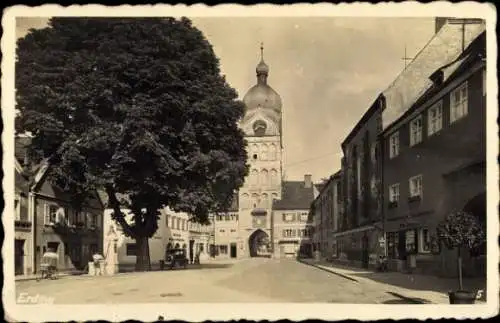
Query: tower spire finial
{"points": [[261, 51]]}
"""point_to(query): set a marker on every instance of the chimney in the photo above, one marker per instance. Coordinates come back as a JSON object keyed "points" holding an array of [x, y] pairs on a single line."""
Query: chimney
{"points": [[307, 181], [439, 23]]}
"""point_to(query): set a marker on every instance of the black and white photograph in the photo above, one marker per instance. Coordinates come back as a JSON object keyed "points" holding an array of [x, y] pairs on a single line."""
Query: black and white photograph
{"points": [[250, 162]]}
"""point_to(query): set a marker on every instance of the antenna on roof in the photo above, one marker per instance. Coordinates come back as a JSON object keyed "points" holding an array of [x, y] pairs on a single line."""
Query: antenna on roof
{"points": [[405, 58]]}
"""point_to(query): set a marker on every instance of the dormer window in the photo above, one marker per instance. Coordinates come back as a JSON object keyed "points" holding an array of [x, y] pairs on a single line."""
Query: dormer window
{"points": [[437, 77]]}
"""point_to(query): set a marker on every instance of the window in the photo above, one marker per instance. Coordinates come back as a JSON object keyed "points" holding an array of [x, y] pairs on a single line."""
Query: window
{"points": [[254, 177], [93, 222], [167, 218], [246, 203], [265, 201], [416, 186], [264, 177], [223, 249], [288, 217], [287, 233], [304, 216], [458, 103], [394, 193], [484, 82], [411, 241], [131, 249], [394, 145], [178, 225], [416, 131], [50, 214], [435, 118], [424, 241], [263, 152], [272, 152]]}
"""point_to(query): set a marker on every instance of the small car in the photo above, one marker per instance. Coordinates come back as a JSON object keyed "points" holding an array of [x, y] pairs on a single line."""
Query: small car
{"points": [[176, 258]]}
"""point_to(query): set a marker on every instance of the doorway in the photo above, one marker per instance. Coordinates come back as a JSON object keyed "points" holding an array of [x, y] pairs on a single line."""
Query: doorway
{"points": [[19, 257], [191, 250], [233, 251]]}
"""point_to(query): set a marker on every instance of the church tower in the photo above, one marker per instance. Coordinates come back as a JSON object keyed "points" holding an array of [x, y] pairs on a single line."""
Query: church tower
{"points": [[262, 125]]}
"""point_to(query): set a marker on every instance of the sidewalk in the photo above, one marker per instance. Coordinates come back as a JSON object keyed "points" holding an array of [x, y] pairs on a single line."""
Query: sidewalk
{"points": [[19, 278], [422, 288]]}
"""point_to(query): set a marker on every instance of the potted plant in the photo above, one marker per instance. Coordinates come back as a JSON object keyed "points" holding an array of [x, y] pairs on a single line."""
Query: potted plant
{"points": [[461, 230]]}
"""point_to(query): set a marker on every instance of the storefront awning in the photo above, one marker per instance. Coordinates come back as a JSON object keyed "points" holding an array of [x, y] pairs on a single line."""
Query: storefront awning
{"points": [[359, 229]]}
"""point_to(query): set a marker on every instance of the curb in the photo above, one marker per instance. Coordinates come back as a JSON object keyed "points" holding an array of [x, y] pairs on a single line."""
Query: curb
{"points": [[403, 297], [328, 270], [410, 299], [21, 279]]}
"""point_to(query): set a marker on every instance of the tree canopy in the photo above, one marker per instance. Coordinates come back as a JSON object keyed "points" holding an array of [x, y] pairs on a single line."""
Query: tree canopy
{"points": [[132, 106]]}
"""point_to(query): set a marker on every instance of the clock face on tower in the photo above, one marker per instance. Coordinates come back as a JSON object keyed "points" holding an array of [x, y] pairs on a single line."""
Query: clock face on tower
{"points": [[259, 128]]}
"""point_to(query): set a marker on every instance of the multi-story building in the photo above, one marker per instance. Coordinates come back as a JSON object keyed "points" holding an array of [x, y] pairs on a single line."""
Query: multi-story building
{"points": [[327, 208], [74, 234], [225, 242], [245, 229], [434, 144], [175, 231], [361, 220], [23, 229], [292, 225]]}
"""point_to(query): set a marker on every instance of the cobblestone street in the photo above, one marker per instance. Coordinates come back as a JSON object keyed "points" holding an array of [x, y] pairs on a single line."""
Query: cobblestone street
{"points": [[250, 280]]}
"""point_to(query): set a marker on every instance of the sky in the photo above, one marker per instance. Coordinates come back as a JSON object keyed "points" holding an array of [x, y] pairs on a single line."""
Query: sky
{"points": [[328, 71]]}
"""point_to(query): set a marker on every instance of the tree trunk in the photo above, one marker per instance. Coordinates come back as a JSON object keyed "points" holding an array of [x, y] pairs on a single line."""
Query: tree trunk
{"points": [[143, 262], [460, 281]]}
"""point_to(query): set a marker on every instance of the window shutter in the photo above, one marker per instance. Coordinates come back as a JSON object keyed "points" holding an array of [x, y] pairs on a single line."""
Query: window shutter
{"points": [[46, 215]]}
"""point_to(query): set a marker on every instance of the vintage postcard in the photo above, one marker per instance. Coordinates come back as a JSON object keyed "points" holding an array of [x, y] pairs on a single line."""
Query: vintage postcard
{"points": [[250, 162]]}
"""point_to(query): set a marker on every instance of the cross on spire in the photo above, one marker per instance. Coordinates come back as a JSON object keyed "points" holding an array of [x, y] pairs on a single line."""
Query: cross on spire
{"points": [[262, 51], [406, 59]]}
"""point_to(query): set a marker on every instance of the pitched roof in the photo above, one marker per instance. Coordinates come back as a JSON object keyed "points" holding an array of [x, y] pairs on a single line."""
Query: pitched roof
{"points": [[294, 196], [443, 48], [21, 148]]}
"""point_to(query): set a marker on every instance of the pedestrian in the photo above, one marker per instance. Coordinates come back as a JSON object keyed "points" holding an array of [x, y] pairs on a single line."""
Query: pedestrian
{"points": [[97, 258]]}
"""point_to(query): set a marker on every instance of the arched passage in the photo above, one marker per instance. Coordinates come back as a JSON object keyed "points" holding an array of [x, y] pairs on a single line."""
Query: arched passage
{"points": [[477, 206], [259, 244]]}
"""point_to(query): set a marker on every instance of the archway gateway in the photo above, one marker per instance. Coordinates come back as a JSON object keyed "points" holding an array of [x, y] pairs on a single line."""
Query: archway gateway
{"points": [[259, 244]]}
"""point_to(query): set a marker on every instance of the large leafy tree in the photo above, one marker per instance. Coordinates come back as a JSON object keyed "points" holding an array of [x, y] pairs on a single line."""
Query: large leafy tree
{"points": [[135, 107]]}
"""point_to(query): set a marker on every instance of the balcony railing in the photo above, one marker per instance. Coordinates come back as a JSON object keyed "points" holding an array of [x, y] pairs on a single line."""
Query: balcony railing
{"points": [[22, 224], [413, 199]]}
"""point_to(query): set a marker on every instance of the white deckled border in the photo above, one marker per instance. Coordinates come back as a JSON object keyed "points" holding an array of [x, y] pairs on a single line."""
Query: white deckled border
{"points": [[223, 311]]}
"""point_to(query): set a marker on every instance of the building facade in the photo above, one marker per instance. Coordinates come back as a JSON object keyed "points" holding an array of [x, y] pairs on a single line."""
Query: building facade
{"points": [[360, 218], [74, 234], [293, 227], [435, 156], [23, 229], [175, 231], [327, 210]]}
